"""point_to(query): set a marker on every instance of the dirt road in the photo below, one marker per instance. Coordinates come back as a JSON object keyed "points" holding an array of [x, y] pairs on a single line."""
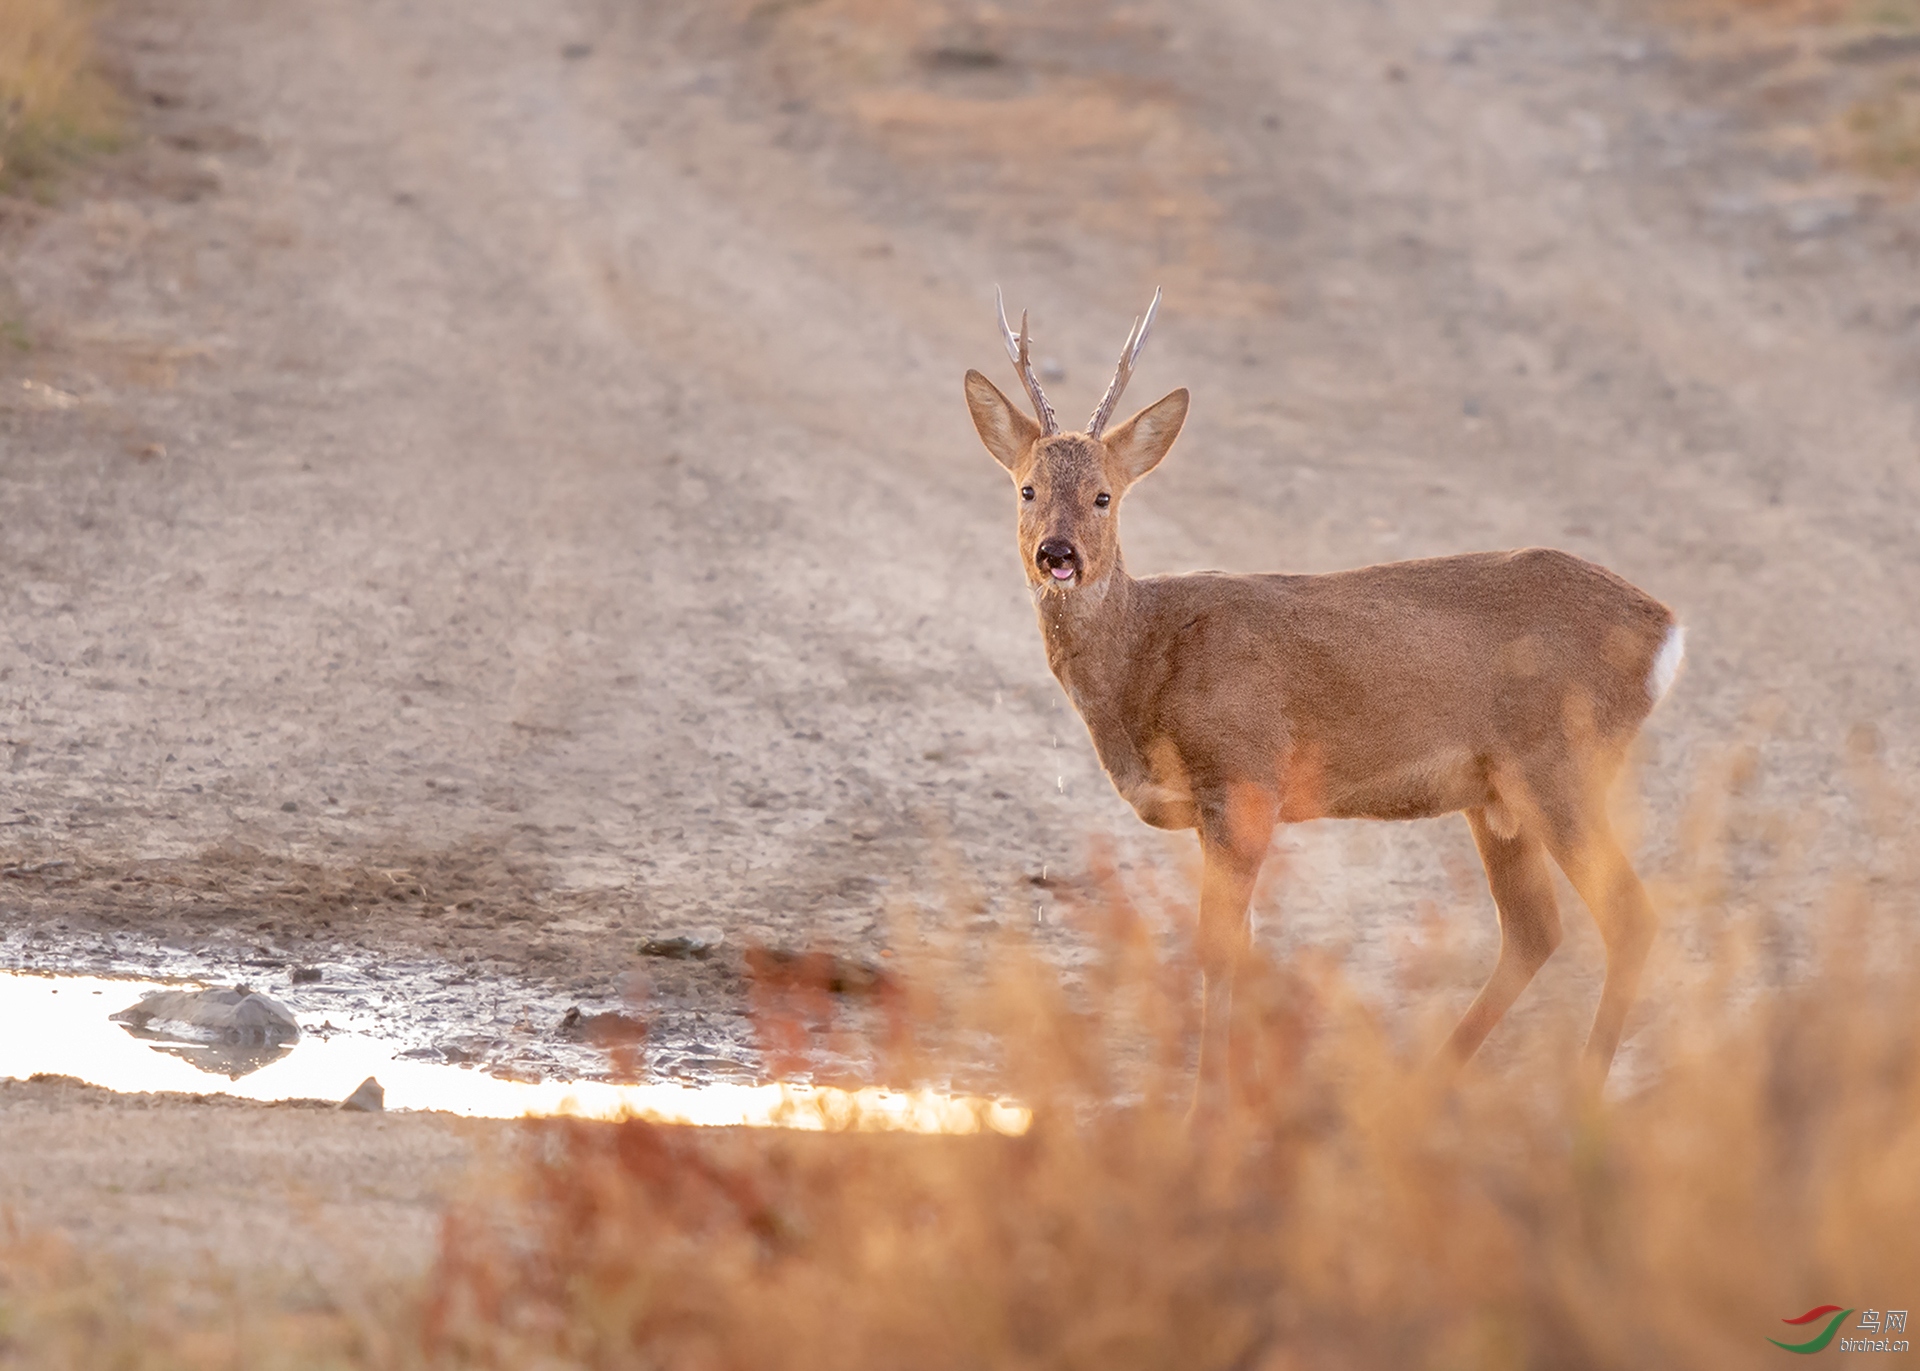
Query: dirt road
{"points": [[492, 478]]}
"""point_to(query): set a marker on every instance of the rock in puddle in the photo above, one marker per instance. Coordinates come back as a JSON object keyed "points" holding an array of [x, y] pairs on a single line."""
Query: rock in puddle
{"points": [[238, 1015], [469, 1048]]}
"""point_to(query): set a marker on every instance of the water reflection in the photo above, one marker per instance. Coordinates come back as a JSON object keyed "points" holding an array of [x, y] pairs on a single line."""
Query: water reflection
{"points": [[232, 1060], [59, 1025]]}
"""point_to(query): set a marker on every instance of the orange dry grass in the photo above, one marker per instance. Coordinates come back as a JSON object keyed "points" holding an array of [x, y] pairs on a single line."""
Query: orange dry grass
{"points": [[1345, 1212], [52, 101], [1881, 134], [62, 1312]]}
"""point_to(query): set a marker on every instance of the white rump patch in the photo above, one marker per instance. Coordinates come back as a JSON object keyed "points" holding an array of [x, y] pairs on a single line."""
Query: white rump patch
{"points": [[1666, 664]]}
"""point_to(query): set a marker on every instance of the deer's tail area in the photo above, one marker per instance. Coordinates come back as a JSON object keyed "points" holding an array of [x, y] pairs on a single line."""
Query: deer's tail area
{"points": [[1666, 663]]}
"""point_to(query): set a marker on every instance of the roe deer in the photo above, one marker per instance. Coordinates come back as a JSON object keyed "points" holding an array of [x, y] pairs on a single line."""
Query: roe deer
{"points": [[1504, 684]]}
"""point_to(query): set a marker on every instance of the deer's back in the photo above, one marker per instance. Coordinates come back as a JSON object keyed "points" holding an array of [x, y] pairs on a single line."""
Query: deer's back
{"points": [[1395, 685]]}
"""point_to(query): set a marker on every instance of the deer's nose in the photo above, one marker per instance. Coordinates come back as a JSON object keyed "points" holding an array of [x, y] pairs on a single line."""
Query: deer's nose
{"points": [[1054, 552]]}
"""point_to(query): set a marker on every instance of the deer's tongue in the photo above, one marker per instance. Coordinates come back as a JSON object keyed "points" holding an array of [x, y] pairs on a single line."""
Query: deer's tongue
{"points": [[1063, 573]]}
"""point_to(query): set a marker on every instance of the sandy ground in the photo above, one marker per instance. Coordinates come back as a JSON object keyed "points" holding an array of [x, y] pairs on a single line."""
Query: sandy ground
{"points": [[489, 480], [317, 1202]]}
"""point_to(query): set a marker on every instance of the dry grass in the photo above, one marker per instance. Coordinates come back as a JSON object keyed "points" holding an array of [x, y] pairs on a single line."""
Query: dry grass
{"points": [[1882, 133], [62, 1312], [54, 105], [1894, 14], [1839, 77], [1347, 1211]]}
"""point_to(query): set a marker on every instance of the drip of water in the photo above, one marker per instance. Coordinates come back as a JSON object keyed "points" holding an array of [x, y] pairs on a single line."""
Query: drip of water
{"points": [[58, 1025]]}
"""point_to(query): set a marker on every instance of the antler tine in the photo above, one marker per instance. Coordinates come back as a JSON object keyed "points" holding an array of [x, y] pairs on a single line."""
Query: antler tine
{"points": [[1136, 339], [1018, 351]]}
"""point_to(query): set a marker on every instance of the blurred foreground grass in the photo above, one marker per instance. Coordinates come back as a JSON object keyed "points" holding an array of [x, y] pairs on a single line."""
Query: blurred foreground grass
{"points": [[54, 104], [1346, 1212]]}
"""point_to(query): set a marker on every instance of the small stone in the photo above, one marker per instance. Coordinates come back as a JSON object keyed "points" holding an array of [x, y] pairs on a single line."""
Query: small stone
{"points": [[370, 1098], [289, 807], [684, 943], [306, 975], [611, 1029]]}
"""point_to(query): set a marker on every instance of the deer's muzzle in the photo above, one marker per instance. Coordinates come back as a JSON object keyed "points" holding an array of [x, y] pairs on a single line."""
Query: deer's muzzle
{"points": [[1057, 559]]}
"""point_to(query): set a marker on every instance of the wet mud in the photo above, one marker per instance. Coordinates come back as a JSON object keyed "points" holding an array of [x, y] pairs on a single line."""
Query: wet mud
{"points": [[429, 1009], [184, 1040]]}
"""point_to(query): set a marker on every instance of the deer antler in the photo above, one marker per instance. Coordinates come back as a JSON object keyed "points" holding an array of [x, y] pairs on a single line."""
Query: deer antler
{"points": [[1124, 372], [1017, 350]]}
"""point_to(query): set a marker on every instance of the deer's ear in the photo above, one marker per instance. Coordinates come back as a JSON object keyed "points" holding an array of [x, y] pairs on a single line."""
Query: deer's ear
{"points": [[1005, 430], [1143, 440]]}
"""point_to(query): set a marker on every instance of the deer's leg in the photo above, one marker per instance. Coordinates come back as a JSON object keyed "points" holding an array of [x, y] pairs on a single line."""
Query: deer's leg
{"points": [[1585, 847], [1522, 888], [1233, 843]]}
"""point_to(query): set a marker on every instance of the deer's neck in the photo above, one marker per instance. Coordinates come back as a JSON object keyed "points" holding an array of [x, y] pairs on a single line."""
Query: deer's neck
{"points": [[1089, 633]]}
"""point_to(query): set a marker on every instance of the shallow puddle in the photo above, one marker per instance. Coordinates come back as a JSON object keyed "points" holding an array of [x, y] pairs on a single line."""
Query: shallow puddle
{"points": [[426, 1007], [59, 1025]]}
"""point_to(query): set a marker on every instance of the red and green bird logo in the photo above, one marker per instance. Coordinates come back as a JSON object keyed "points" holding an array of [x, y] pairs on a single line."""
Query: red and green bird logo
{"points": [[1826, 1334]]}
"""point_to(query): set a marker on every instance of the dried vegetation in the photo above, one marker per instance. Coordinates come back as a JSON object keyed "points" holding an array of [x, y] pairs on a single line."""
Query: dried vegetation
{"points": [[1347, 1211], [54, 104], [1838, 77]]}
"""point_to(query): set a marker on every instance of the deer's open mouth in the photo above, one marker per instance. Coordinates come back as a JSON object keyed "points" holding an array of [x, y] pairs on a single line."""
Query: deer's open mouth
{"points": [[1059, 562]]}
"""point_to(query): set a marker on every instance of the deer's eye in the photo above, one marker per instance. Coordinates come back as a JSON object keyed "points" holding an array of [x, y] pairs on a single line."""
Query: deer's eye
{"points": [[1026, 492], [1102, 500]]}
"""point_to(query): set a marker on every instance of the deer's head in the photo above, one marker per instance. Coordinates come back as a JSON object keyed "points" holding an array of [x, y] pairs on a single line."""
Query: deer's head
{"points": [[1070, 484]]}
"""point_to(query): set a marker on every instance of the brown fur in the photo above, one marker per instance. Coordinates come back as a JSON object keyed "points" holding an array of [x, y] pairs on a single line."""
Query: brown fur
{"points": [[1507, 685]]}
